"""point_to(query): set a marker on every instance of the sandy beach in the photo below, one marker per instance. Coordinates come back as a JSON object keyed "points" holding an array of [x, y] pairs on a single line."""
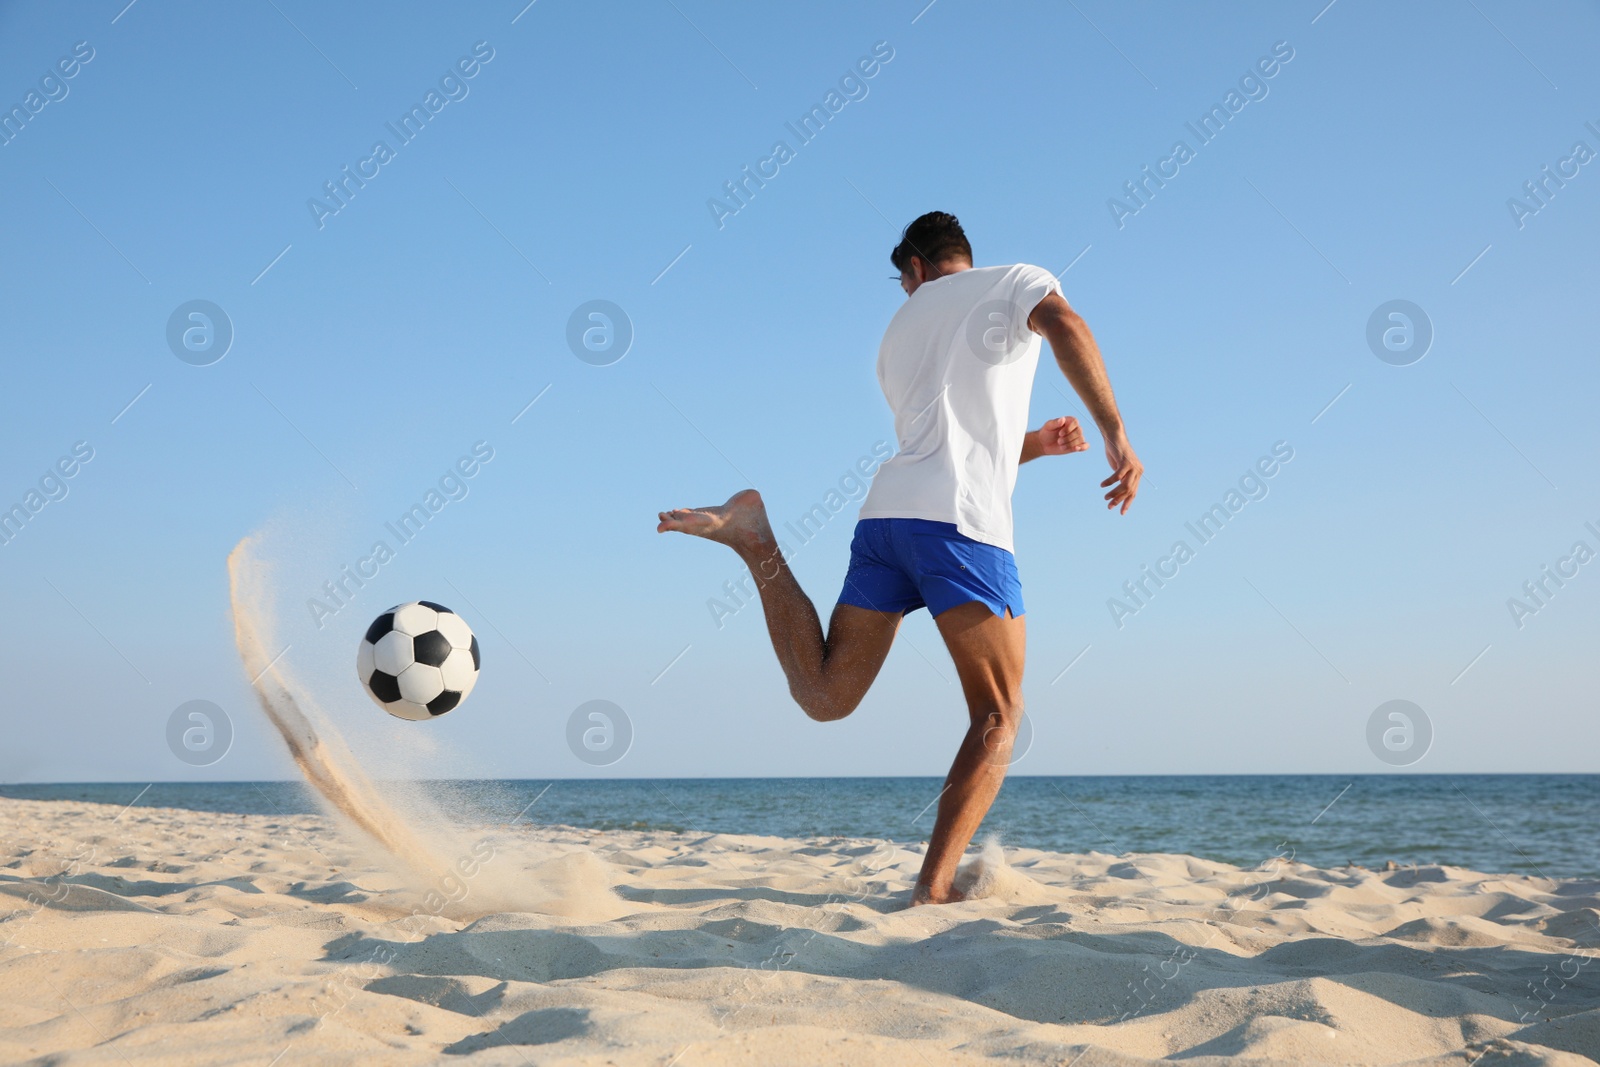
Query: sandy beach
{"points": [[163, 936]]}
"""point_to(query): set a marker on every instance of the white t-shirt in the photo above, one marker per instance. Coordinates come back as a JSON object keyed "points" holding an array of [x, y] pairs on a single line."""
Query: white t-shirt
{"points": [[956, 365]]}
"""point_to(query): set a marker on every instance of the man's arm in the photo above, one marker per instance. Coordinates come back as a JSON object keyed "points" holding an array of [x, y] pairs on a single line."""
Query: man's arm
{"points": [[1079, 359]]}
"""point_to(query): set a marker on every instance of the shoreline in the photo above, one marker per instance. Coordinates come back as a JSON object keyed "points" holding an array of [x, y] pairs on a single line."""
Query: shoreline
{"points": [[1528, 824]]}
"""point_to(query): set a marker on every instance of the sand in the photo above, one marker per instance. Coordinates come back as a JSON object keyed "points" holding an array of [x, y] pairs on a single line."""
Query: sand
{"points": [[145, 936]]}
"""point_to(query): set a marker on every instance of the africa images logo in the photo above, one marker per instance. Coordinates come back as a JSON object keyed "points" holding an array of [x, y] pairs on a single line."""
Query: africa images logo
{"points": [[852, 86], [1252, 88], [453, 88]]}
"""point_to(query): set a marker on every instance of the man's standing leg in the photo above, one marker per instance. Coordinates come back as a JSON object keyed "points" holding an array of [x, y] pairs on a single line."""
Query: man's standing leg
{"points": [[988, 653]]}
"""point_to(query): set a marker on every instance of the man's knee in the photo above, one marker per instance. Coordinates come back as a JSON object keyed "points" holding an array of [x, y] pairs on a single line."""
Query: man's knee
{"points": [[1000, 724], [999, 708], [822, 704]]}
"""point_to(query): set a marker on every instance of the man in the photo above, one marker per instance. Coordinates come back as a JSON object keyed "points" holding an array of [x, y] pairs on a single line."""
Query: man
{"points": [[956, 365]]}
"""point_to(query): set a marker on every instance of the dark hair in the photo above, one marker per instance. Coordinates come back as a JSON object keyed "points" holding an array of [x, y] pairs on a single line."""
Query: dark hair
{"points": [[933, 238]]}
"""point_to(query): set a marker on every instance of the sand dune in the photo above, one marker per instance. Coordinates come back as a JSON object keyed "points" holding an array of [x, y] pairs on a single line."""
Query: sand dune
{"points": [[159, 936]]}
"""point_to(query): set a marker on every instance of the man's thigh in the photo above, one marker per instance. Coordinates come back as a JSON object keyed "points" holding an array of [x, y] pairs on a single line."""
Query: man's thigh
{"points": [[988, 651], [858, 642]]}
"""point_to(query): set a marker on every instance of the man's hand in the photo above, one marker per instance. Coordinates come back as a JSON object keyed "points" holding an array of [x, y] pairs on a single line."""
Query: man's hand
{"points": [[1126, 470], [1058, 437]]}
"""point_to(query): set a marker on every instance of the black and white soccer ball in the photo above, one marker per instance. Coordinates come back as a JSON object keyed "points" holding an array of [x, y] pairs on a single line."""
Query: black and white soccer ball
{"points": [[418, 660]]}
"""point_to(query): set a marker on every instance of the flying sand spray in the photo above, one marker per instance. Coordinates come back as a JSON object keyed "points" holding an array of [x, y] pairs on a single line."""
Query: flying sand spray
{"points": [[432, 863], [315, 745]]}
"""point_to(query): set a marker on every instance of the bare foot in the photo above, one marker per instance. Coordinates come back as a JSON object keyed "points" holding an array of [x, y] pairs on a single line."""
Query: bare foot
{"points": [[741, 523], [924, 894]]}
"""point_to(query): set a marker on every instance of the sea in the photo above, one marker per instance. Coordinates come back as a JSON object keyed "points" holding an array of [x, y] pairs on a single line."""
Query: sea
{"points": [[1545, 825]]}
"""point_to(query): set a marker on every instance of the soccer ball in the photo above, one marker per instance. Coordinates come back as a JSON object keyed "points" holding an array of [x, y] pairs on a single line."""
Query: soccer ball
{"points": [[418, 660]]}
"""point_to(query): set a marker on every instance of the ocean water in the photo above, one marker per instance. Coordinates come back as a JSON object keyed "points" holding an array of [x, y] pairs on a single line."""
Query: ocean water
{"points": [[1541, 824]]}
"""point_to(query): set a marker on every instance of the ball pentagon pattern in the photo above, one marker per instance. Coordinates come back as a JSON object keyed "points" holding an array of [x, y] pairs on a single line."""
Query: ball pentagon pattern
{"points": [[418, 660]]}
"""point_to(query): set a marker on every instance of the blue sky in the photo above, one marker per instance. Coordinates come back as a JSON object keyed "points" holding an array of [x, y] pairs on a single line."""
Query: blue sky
{"points": [[371, 351]]}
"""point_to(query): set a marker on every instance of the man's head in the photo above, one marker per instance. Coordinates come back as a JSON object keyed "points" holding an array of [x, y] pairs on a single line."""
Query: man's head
{"points": [[932, 246]]}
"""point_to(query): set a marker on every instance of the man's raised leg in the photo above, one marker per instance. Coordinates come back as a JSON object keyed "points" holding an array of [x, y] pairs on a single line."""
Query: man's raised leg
{"points": [[988, 654], [828, 673]]}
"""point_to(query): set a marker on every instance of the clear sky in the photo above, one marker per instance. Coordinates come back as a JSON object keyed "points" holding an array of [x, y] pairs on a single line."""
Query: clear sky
{"points": [[374, 345]]}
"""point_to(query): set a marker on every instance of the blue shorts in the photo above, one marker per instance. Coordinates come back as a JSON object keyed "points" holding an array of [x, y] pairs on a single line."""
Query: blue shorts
{"points": [[900, 565]]}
